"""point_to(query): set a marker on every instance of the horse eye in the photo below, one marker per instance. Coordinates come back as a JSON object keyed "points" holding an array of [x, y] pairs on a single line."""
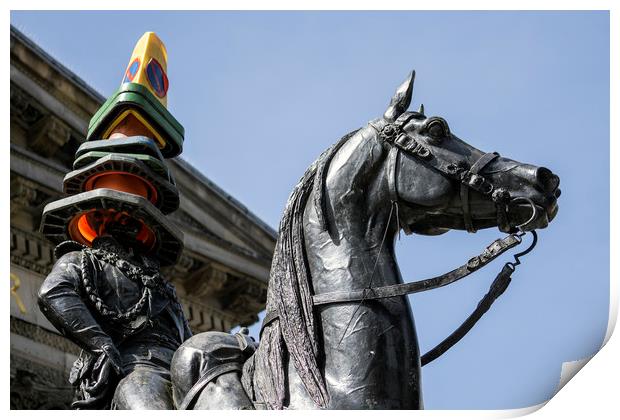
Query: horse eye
{"points": [[436, 130]]}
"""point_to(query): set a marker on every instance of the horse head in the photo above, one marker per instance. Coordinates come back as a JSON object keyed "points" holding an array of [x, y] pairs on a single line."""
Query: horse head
{"points": [[443, 183]]}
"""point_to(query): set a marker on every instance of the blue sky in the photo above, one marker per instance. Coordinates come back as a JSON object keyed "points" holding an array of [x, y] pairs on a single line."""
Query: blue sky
{"points": [[261, 94]]}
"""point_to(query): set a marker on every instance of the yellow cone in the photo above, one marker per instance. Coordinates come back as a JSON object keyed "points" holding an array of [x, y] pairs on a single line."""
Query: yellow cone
{"points": [[148, 66]]}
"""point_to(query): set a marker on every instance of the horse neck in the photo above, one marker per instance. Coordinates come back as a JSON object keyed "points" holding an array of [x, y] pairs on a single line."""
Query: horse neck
{"points": [[359, 247], [354, 200], [369, 349]]}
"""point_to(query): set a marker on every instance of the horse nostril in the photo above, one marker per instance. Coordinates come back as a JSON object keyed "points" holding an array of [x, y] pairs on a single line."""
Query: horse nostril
{"points": [[547, 180]]}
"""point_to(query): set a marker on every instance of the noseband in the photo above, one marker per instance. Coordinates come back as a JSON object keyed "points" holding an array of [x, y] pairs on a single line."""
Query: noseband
{"points": [[469, 178]]}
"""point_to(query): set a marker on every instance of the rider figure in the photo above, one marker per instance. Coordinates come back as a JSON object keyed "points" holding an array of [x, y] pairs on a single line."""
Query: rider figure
{"points": [[112, 301]]}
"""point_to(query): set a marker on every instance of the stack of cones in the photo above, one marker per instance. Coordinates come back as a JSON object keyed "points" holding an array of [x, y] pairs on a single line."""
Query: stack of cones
{"points": [[120, 182]]}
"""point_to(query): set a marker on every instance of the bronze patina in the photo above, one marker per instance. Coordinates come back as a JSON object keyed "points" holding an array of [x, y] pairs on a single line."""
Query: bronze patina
{"points": [[339, 331]]}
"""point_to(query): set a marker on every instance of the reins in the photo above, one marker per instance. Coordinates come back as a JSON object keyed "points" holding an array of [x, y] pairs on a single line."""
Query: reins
{"points": [[498, 287], [469, 178]]}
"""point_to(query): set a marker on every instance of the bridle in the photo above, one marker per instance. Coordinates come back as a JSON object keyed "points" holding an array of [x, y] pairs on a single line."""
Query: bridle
{"points": [[469, 178]]}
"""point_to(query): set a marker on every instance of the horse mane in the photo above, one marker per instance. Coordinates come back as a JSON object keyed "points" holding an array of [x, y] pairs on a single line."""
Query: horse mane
{"points": [[294, 333]]}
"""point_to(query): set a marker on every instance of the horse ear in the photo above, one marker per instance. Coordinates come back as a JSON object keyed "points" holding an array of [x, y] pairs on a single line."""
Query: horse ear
{"points": [[401, 99]]}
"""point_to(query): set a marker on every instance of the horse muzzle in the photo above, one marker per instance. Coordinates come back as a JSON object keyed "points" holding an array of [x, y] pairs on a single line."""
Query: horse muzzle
{"points": [[526, 195], [541, 207]]}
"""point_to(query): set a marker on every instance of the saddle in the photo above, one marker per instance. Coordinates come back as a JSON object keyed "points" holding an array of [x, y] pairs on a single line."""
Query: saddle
{"points": [[203, 358]]}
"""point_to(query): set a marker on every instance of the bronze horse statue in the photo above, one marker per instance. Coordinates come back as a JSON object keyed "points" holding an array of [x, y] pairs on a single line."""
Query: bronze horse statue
{"points": [[320, 345]]}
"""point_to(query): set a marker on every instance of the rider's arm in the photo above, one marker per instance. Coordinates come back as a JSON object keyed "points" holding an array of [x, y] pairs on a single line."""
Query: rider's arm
{"points": [[62, 304]]}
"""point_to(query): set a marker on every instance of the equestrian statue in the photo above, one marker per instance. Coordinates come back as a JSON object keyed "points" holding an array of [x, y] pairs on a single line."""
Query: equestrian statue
{"points": [[338, 331]]}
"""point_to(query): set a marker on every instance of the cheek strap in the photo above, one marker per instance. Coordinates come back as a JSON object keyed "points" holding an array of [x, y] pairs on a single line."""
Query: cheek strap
{"points": [[393, 160], [472, 179]]}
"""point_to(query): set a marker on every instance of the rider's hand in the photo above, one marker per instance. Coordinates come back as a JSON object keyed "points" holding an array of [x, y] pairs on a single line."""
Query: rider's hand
{"points": [[107, 364], [113, 357]]}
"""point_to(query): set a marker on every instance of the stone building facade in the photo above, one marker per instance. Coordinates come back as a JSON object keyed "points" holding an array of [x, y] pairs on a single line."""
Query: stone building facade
{"points": [[221, 278]]}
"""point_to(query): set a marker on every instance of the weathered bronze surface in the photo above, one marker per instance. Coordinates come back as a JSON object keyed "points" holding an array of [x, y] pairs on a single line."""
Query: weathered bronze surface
{"points": [[321, 345], [402, 171], [126, 318]]}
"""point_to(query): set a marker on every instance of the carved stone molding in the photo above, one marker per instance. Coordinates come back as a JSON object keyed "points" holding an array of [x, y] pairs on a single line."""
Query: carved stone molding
{"points": [[23, 192], [186, 265], [24, 109], [31, 251], [204, 318], [44, 133], [27, 201], [240, 298], [41, 335], [27, 193], [48, 135], [208, 282], [247, 301], [35, 386]]}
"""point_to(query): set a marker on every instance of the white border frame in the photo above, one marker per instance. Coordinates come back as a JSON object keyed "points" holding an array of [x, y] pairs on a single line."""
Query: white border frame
{"points": [[593, 394]]}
